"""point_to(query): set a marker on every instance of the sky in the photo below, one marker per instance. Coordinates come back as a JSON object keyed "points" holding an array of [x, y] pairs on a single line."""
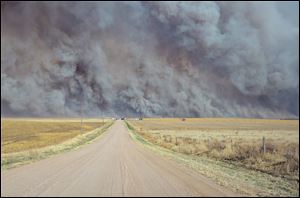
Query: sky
{"points": [[154, 59]]}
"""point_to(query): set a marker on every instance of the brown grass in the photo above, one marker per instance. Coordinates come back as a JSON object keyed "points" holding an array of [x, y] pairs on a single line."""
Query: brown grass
{"points": [[237, 141], [26, 134], [31, 154]]}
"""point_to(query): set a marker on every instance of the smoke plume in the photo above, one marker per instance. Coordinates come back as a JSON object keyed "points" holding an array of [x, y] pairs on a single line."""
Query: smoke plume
{"points": [[150, 59]]}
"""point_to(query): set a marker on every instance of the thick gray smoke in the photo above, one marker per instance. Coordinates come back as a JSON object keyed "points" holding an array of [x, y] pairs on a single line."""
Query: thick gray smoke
{"points": [[150, 58]]}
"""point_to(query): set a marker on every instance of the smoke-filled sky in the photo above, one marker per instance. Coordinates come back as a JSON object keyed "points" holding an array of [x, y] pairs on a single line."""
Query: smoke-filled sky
{"points": [[182, 59]]}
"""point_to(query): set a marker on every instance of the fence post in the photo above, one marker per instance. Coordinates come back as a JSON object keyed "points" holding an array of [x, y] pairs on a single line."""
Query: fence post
{"points": [[264, 144], [288, 167]]}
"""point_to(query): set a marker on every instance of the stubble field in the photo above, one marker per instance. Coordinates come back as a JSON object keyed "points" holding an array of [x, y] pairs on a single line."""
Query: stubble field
{"points": [[232, 141], [27, 139]]}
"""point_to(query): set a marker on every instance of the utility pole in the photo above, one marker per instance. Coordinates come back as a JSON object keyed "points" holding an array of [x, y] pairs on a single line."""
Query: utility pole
{"points": [[81, 116], [2, 140], [2, 136]]}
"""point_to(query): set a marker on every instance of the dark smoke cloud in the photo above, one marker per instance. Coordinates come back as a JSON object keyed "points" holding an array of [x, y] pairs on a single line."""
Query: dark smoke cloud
{"points": [[150, 58]]}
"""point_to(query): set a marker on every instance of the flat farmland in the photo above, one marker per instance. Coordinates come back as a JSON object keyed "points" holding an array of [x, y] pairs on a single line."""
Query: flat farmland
{"points": [[265, 146], [29, 139], [216, 123], [24, 134]]}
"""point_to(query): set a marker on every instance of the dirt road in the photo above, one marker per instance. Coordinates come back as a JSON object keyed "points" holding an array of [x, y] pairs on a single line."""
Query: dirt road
{"points": [[113, 165]]}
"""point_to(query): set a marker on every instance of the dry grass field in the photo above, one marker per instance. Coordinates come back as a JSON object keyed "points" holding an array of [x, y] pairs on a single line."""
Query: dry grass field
{"points": [[230, 140], [25, 134], [24, 140]]}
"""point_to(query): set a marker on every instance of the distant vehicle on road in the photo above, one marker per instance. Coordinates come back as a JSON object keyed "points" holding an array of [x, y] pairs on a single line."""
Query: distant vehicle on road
{"points": [[122, 118]]}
